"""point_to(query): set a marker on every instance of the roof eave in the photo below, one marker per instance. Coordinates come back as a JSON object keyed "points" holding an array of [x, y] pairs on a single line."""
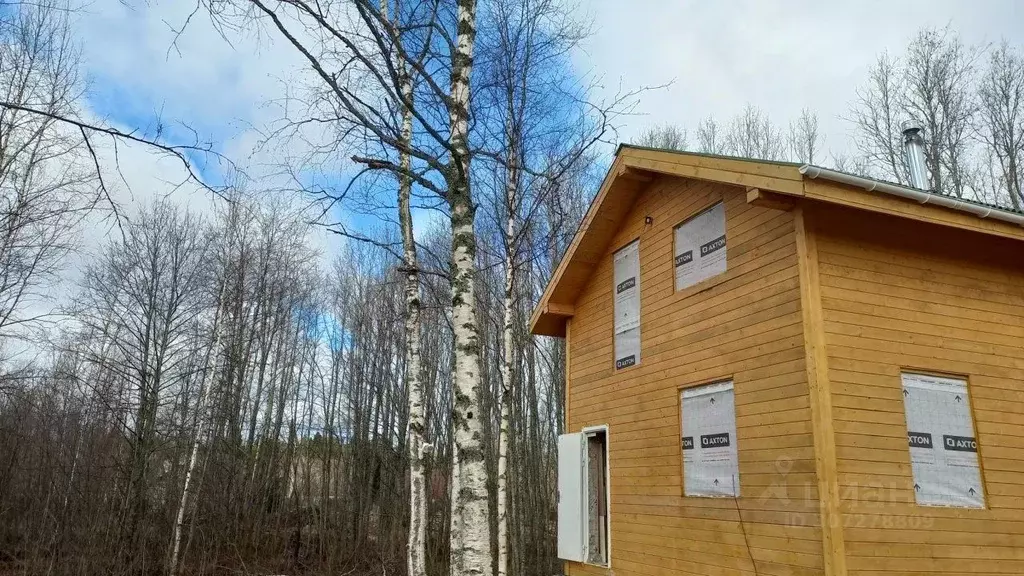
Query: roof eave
{"points": [[633, 169], [639, 165], [543, 322], [916, 194]]}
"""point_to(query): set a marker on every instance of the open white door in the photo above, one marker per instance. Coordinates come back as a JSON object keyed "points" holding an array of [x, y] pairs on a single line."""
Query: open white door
{"points": [[572, 521]]}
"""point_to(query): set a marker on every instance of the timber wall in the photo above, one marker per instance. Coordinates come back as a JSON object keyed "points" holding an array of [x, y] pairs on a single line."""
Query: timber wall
{"points": [[895, 295], [745, 325]]}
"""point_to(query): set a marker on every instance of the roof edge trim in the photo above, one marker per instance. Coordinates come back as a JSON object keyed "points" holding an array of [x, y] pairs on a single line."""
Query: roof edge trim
{"points": [[921, 196]]}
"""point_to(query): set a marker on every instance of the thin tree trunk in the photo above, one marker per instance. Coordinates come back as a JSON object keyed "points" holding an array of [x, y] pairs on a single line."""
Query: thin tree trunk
{"points": [[204, 390], [508, 360], [416, 443], [471, 548]]}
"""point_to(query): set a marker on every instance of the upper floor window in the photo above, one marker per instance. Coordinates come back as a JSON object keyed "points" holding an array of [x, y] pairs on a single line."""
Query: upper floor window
{"points": [[700, 247], [626, 289]]}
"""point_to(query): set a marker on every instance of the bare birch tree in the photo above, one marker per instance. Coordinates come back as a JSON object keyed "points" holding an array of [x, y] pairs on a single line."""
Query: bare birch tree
{"points": [[523, 50], [146, 291], [804, 139], [46, 182], [471, 549], [236, 212], [710, 137], [1001, 119], [939, 73], [417, 446], [932, 86], [371, 49], [666, 136], [752, 134], [877, 116]]}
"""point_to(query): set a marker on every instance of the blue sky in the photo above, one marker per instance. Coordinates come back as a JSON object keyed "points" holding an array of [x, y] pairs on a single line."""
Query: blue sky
{"points": [[142, 74], [716, 56]]}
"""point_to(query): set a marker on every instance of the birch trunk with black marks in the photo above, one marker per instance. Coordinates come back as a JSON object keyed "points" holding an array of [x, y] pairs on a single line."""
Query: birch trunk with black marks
{"points": [[471, 532], [416, 443]]}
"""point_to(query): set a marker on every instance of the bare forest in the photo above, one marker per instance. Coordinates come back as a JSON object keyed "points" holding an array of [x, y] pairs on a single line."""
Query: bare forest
{"points": [[214, 394]]}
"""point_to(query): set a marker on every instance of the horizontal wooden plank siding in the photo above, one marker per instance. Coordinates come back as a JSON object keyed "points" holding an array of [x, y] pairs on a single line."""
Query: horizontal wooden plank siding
{"points": [[905, 295], [746, 325]]}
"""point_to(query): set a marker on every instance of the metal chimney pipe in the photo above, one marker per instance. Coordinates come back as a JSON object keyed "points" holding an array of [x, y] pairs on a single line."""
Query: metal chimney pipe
{"points": [[913, 155]]}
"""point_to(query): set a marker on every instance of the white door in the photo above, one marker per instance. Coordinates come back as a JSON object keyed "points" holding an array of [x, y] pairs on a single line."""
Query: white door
{"points": [[572, 521]]}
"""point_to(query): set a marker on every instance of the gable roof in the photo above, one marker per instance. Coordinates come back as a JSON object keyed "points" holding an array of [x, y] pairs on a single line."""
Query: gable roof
{"points": [[768, 183]]}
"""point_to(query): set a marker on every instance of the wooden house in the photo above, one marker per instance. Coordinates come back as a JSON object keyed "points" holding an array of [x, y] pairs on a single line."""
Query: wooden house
{"points": [[776, 369]]}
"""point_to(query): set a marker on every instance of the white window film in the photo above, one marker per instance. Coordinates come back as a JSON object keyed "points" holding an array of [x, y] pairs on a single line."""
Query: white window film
{"points": [[700, 251], [627, 305], [710, 461], [583, 518], [943, 450]]}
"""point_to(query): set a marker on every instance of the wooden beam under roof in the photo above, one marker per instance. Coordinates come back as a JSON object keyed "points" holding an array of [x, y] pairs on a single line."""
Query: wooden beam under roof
{"points": [[770, 200]]}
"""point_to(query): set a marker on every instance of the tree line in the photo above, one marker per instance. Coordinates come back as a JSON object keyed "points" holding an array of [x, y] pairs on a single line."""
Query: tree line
{"points": [[969, 100], [218, 396]]}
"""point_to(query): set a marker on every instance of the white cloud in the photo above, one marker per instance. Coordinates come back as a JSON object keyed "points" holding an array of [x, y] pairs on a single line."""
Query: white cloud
{"points": [[780, 56], [198, 77], [226, 89]]}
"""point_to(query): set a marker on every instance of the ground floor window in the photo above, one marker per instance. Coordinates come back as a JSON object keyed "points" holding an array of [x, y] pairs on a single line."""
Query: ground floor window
{"points": [[943, 449], [710, 461], [583, 496]]}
